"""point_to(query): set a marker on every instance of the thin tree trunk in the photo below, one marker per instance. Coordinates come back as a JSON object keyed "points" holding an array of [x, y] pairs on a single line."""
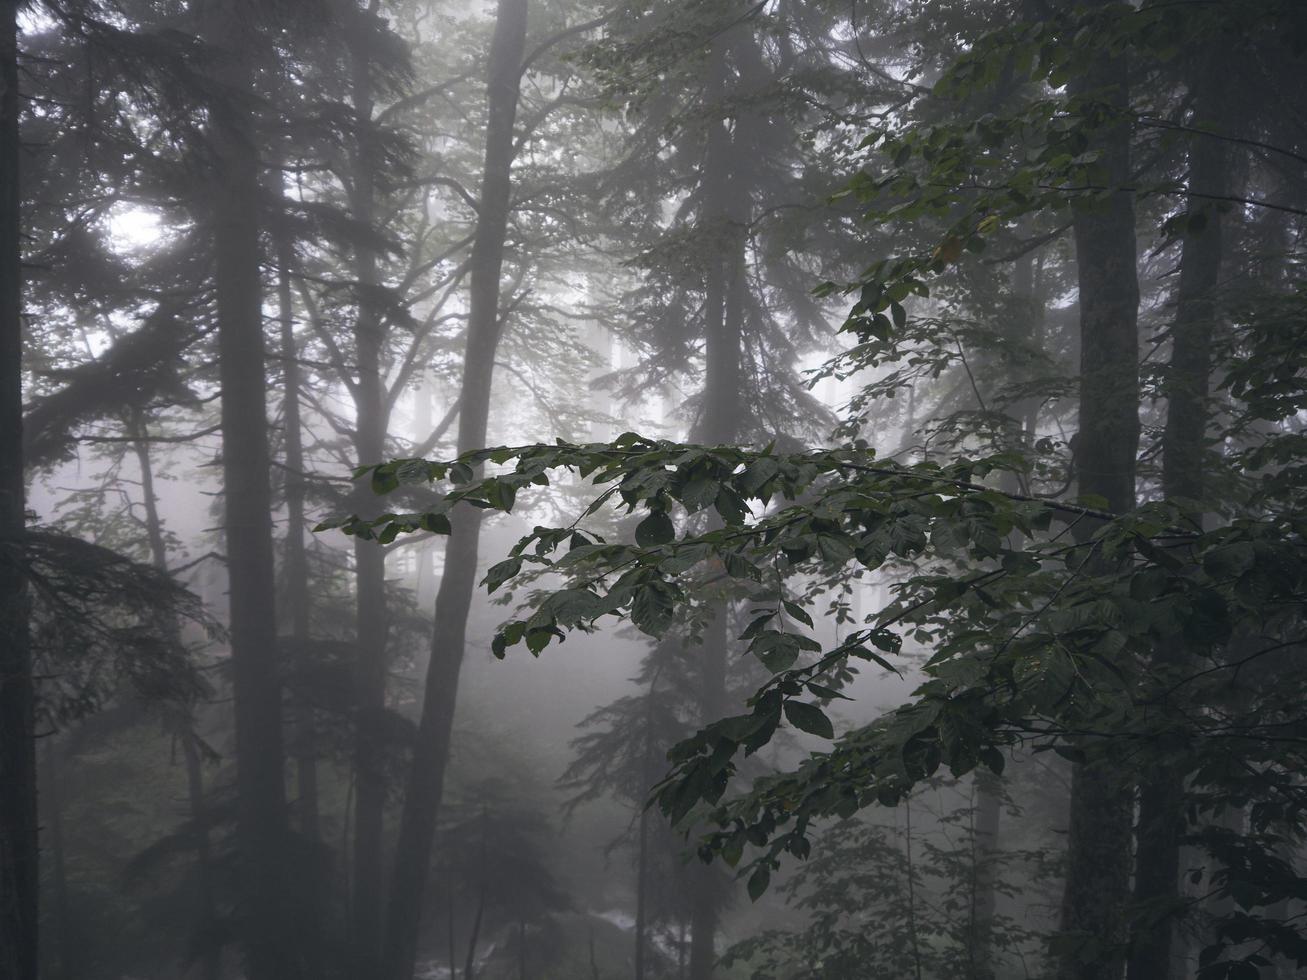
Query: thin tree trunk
{"points": [[641, 886], [304, 740], [369, 558], [987, 813], [211, 958], [247, 496], [719, 424], [298, 605], [18, 819], [469, 965], [454, 599], [1097, 887], [1184, 441], [913, 936], [54, 807], [182, 721], [1184, 444], [521, 949], [706, 879], [453, 970]]}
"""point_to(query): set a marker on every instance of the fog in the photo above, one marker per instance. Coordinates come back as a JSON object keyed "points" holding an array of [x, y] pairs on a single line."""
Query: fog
{"points": [[636, 489]]}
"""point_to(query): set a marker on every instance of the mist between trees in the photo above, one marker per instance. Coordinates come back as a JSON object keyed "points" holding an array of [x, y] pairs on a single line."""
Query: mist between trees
{"points": [[698, 489]]}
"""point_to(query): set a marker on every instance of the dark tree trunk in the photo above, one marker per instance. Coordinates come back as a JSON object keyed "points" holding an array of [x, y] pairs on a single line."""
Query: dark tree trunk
{"points": [[726, 205], [469, 965], [298, 605], [369, 558], [706, 879], [453, 953], [1184, 444], [1184, 441], [914, 938], [1097, 888], [641, 888], [182, 723], [247, 497], [54, 806], [988, 808], [211, 955], [454, 599], [313, 890], [469, 968], [18, 821]]}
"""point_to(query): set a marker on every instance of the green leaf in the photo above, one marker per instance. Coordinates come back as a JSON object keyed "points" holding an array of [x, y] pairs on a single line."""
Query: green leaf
{"points": [[655, 529], [436, 524], [798, 612], [538, 639], [835, 548], [501, 572], [809, 718], [651, 608], [777, 651], [384, 480], [758, 882]]}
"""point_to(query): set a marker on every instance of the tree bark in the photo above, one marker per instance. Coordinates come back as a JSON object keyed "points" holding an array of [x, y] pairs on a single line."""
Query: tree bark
{"points": [[18, 820], [1097, 885], [54, 807], [182, 722], [454, 599], [642, 873], [1184, 445], [469, 965], [296, 569], [706, 900], [726, 207], [369, 558], [247, 497], [988, 808]]}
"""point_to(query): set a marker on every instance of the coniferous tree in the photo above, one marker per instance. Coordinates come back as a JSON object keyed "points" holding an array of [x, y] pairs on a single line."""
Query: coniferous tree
{"points": [[247, 494], [18, 823]]}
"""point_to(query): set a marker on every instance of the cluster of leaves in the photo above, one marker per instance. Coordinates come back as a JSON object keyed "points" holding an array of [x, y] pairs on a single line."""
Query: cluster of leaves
{"points": [[1043, 618], [971, 176]]}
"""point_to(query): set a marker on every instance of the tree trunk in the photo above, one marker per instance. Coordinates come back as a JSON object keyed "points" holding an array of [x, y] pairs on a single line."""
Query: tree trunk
{"points": [[725, 218], [247, 496], [211, 957], [313, 892], [296, 569], [54, 807], [449, 922], [641, 887], [182, 721], [706, 881], [1099, 834], [469, 965], [369, 557], [454, 599], [18, 820], [1184, 444], [988, 808], [914, 937]]}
